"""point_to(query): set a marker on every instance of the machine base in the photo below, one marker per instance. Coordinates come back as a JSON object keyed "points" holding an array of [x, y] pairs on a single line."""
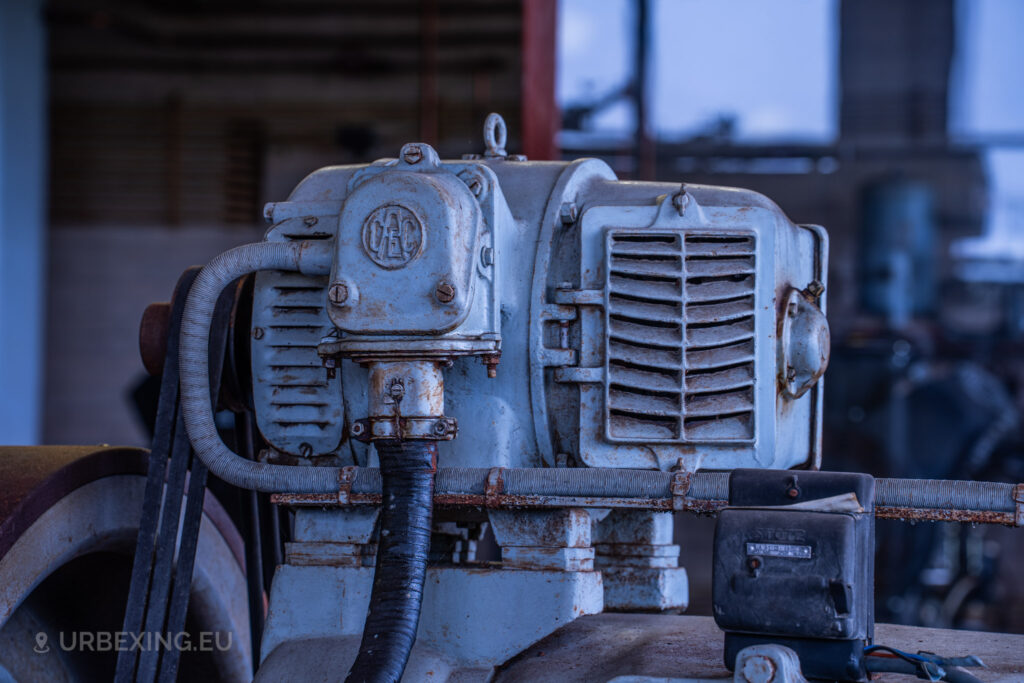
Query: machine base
{"points": [[478, 616]]}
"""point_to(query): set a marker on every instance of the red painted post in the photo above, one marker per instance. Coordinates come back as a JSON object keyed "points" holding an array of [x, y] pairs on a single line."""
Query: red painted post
{"points": [[540, 117]]}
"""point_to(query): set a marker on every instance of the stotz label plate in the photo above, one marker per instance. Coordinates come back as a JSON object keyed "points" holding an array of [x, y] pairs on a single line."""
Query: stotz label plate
{"points": [[800, 552]]}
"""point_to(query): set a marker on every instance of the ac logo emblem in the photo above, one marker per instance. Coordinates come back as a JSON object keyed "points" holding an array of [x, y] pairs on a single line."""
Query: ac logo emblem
{"points": [[392, 236]]}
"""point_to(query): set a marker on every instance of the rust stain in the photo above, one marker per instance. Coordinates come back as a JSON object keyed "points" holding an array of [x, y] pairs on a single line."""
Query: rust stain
{"points": [[945, 515]]}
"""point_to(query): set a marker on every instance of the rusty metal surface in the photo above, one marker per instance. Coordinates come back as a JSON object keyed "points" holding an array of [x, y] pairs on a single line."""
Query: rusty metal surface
{"points": [[603, 646], [153, 327], [700, 493], [35, 477], [938, 515]]}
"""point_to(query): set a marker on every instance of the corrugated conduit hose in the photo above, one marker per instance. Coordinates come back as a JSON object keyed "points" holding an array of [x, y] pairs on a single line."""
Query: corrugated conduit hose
{"points": [[309, 257]]}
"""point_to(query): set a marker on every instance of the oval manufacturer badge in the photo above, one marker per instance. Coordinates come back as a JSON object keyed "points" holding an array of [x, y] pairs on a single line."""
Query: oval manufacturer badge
{"points": [[392, 236]]}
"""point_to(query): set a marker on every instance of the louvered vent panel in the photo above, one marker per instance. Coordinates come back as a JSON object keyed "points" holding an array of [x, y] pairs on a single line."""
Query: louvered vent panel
{"points": [[298, 409], [644, 373], [680, 343]]}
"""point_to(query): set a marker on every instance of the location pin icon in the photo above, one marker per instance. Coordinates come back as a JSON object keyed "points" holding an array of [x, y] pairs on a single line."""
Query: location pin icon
{"points": [[41, 646]]}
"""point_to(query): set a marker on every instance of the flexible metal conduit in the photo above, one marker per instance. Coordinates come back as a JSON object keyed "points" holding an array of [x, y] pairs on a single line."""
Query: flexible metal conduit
{"points": [[939, 494], [704, 486], [309, 257]]}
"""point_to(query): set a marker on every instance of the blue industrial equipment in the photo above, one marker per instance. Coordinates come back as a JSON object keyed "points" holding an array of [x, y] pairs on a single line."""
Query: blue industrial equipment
{"points": [[637, 326], [534, 346]]}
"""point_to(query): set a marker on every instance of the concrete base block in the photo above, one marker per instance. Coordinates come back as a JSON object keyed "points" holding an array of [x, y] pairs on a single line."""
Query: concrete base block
{"points": [[473, 616], [645, 589]]}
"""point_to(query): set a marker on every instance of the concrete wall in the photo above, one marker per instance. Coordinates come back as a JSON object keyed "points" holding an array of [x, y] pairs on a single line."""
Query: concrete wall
{"points": [[22, 217], [101, 279]]}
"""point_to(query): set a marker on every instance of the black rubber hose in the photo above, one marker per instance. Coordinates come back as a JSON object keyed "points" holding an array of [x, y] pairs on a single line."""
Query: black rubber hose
{"points": [[407, 471]]}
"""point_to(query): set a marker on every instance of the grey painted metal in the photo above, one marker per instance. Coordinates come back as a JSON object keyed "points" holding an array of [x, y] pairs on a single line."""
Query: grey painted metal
{"points": [[320, 595], [701, 390], [636, 327], [639, 562], [576, 380]]}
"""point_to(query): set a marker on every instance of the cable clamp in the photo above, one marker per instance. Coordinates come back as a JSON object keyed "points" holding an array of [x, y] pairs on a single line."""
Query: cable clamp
{"points": [[681, 480], [494, 487], [346, 475]]}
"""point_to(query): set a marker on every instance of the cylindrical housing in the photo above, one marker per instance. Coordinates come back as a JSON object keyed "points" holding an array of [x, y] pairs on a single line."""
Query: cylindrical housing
{"points": [[406, 389]]}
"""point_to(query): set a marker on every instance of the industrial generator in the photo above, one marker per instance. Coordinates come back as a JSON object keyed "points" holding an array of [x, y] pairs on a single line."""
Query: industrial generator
{"points": [[434, 350]]}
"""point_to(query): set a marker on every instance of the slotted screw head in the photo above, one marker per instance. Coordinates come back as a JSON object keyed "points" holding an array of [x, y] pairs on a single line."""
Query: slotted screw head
{"points": [[445, 292], [338, 293]]}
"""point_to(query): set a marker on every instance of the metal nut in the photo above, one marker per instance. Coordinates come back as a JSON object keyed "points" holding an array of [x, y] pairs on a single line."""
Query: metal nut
{"points": [[487, 256], [445, 292], [338, 293], [357, 429], [412, 154], [440, 428], [815, 289]]}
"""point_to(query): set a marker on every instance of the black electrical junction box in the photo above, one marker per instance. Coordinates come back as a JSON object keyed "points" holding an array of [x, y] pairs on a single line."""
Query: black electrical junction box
{"points": [[794, 566]]}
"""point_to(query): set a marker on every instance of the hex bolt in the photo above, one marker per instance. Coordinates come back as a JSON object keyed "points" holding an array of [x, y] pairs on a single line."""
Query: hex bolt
{"points": [[309, 221], [337, 293], [357, 429], [305, 450], [257, 333], [412, 154], [759, 669], [445, 292], [487, 256], [568, 213], [440, 428], [815, 289], [476, 187]]}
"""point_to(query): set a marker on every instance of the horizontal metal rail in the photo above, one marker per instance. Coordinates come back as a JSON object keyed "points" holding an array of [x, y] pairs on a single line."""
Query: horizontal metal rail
{"points": [[701, 492]]}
